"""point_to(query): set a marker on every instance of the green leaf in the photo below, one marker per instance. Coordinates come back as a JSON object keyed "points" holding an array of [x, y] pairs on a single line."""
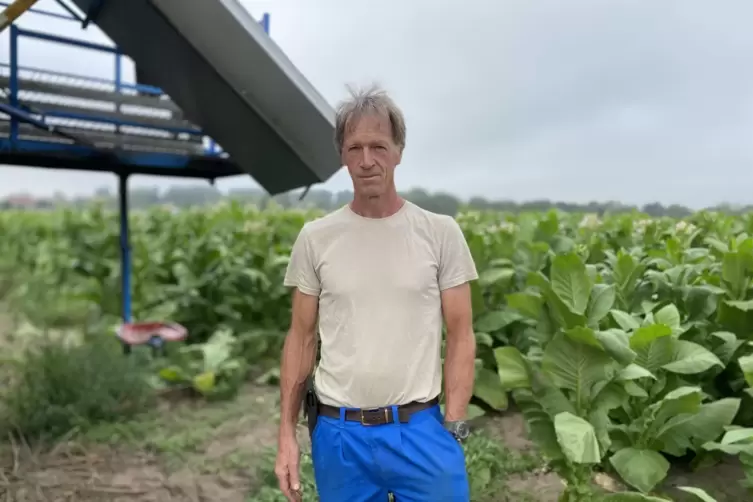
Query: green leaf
{"points": [[474, 412], [602, 299], [746, 365], [484, 338], [512, 369], [634, 372], [488, 387], [686, 428], [745, 306], [726, 350], [204, 382], [625, 320], [577, 439], [570, 282], [495, 275], [575, 366], [701, 494], [644, 335], [710, 421], [630, 497], [738, 435], [495, 320], [616, 343], [528, 304], [690, 358], [670, 316], [641, 469], [172, 374], [582, 334]]}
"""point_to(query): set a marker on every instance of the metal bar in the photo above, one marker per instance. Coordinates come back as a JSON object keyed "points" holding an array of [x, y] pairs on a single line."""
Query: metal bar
{"points": [[13, 11], [13, 98], [107, 139], [67, 41], [74, 14], [148, 89], [49, 111], [125, 251], [118, 71], [93, 13], [126, 158], [90, 94], [45, 12], [125, 255]]}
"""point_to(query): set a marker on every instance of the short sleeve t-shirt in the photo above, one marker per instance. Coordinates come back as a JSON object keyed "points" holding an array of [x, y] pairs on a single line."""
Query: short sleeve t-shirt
{"points": [[380, 316]]}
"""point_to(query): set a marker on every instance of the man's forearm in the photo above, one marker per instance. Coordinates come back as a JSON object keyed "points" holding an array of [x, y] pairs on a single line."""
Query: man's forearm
{"points": [[298, 358], [459, 373]]}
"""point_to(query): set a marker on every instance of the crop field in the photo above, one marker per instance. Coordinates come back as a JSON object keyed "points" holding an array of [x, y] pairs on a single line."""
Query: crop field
{"points": [[615, 356]]}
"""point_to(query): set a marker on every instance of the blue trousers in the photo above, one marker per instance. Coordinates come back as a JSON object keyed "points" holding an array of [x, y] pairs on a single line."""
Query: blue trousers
{"points": [[418, 461]]}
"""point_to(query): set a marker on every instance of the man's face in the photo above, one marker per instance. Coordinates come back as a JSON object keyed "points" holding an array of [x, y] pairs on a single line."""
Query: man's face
{"points": [[371, 155]]}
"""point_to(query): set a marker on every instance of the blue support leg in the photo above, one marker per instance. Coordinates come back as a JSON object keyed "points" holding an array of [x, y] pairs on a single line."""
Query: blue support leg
{"points": [[125, 252]]}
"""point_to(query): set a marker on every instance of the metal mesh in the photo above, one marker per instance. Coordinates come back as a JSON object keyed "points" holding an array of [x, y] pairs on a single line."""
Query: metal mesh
{"points": [[47, 93]]}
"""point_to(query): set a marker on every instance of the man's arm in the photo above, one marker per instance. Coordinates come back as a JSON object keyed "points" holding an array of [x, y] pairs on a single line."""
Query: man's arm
{"points": [[460, 351], [298, 358], [456, 270]]}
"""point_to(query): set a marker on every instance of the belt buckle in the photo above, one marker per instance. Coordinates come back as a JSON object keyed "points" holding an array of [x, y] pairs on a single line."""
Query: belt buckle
{"points": [[375, 416]]}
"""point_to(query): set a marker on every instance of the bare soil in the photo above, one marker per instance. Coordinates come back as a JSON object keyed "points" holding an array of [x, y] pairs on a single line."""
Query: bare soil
{"points": [[188, 453]]}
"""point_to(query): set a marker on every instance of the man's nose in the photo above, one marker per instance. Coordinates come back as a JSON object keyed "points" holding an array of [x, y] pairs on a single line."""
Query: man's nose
{"points": [[367, 162]]}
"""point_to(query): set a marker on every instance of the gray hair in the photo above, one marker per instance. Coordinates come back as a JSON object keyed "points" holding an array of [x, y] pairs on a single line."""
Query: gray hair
{"points": [[371, 101]]}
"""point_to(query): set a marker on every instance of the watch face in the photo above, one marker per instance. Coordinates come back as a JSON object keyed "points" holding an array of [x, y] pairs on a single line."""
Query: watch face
{"points": [[462, 430], [459, 429]]}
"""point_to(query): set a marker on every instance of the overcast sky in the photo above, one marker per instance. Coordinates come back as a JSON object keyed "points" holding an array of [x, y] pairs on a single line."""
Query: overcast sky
{"points": [[573, 100]]}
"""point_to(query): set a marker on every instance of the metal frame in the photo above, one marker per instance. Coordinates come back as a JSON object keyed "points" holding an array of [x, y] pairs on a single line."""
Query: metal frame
{"points": [[80, 154]]}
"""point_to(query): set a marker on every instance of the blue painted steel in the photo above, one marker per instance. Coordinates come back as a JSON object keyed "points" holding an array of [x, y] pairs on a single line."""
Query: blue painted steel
{"points": [[125, 249], [142, 159], [74, 15], [13, 98], [67, 41]]}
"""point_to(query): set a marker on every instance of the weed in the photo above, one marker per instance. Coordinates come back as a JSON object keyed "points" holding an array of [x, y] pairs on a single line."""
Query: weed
{"points": [[58, 385]]}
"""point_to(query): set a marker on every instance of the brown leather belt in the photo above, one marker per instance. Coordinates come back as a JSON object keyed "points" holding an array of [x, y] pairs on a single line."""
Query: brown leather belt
{"points": [[378, 416]]}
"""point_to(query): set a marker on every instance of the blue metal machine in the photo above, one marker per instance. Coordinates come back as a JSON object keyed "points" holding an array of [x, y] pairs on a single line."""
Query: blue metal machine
{"points": [[64, 120]]}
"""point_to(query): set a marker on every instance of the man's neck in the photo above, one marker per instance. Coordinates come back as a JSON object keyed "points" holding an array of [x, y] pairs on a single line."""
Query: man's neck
{"points": [[377, 207]]}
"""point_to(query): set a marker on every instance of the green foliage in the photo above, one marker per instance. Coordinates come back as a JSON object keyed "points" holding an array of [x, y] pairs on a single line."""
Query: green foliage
{"points": [[212, 368], [625, 340], [62, 384]]}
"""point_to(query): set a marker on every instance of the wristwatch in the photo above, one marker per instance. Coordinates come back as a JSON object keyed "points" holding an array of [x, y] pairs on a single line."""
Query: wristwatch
{"points": [[459, 430]]}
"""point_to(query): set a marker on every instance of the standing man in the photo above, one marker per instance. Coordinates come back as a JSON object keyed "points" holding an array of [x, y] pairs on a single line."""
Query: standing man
{"points": [[380, 275]]}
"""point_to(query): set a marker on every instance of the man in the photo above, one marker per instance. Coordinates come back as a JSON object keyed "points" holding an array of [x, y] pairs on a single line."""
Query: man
{"points": [[380, 275]]}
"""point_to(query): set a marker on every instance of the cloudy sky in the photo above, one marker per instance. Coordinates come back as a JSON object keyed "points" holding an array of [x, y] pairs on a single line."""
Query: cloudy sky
{"points": [[576, 100]]}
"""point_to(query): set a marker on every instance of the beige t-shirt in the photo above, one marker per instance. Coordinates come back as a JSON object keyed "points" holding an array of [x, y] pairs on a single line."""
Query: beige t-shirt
{"points": [[380, 317]]}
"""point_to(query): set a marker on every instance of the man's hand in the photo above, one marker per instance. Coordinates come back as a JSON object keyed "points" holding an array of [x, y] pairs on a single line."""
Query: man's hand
{"points": [[287, 465]]}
